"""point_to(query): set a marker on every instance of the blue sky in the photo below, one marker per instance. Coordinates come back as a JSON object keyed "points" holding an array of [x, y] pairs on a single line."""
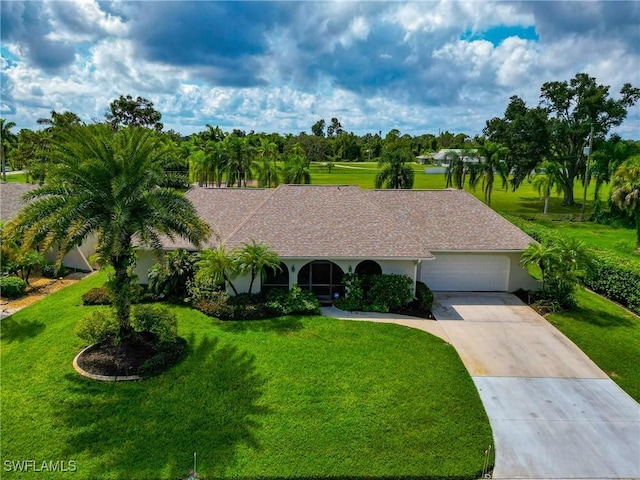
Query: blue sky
{"points": [[280, 66]]}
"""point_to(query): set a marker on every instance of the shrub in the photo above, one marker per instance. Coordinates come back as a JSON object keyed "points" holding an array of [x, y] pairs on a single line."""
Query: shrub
{"points": [[97, 296], [614, 276], [12, 287], [389, 291], [169, 279], [97, 326], [215, 305], [294, 301], [52, 270], [157, 320], [202, 288], [424, 297], [354, 293]]}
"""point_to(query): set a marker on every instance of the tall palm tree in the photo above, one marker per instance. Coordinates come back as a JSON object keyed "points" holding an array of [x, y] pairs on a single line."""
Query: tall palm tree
{"points": [[395, 171], [239, 160], [493, 158], [111, 184], [625, 192], [267, 168], [454, 173], [545, 180], [7, 139], [296, 167], [256, 257], [220, 265]]}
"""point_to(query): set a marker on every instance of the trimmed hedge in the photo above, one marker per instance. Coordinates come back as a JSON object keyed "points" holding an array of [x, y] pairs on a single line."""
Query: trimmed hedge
{"points": [[615, 277], [12, 287]]}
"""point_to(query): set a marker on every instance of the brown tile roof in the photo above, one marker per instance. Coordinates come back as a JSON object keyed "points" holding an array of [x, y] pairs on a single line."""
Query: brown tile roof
{"points": [[11, 198], [451, 220], [346, 221]]}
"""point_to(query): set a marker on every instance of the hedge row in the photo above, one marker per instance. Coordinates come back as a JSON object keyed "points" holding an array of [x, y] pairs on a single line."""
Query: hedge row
{"points": [[615, 277]]}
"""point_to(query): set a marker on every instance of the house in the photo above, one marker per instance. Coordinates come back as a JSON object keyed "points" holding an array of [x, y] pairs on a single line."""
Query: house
{"points": [[445, 238], [11, 202], [442, 156]]}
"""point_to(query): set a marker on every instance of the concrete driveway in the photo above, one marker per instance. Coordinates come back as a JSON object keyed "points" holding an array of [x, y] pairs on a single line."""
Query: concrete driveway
{"points": [[554, 413]]}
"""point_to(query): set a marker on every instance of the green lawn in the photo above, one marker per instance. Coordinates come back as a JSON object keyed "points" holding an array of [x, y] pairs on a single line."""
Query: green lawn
{"points": [[292, 398], [609, 335]]}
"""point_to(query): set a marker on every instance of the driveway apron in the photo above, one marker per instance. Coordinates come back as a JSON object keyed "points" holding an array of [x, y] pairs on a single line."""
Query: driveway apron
{"points": [[554, 413]]}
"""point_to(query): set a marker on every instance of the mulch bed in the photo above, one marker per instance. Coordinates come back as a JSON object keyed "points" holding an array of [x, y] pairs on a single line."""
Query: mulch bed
{"points": [[117, 360]]}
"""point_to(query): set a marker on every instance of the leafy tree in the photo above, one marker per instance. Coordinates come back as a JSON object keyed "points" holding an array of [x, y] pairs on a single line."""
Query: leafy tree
{"points": [[625, 192], [524, 131], [396, 171], [7, 141], [335, 128], [545, 256], [111, 184], [220, 265], [317, 128], [130, 112], [256, 258], [574, 108], [60, 121]]}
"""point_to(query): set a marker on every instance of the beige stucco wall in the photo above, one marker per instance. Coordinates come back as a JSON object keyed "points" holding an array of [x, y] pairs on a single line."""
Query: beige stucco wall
{"points": [[519, 277]]}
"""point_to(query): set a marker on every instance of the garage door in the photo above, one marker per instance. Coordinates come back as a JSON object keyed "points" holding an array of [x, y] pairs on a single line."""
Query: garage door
{"points": [[467, 272]]}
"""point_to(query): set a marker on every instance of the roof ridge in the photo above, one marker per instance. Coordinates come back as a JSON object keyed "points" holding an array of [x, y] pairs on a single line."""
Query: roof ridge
{"points": [[252, 214]]}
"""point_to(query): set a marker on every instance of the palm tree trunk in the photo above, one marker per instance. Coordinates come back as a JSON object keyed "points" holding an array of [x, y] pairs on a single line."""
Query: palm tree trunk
{"points": [[121, 289], [546, 204]]}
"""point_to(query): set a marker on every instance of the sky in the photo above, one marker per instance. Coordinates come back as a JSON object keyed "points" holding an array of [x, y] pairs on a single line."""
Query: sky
{"points": [[419, 67]]}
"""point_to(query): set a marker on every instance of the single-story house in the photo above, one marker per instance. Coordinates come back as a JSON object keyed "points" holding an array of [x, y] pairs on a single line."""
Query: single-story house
{"points": [[441, 157], [11, 203], [445, 238]]}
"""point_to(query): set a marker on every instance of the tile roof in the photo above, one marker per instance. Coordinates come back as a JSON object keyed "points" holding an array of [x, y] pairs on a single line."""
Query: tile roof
{"points": [[451, 220], [11, 198], [346, 221]]}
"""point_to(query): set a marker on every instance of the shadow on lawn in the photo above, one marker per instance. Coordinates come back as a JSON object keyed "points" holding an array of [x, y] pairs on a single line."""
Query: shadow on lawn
{"points": [[280, 325], [598, 318], [12, 330], [208, 404]]}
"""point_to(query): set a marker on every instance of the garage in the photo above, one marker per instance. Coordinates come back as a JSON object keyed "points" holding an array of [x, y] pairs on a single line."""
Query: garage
{"points": [[458, 272]]}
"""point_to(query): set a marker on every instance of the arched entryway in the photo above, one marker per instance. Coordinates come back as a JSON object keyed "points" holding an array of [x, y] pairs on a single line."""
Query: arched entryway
{"points": [[323, 278], [276, 279], [365, 270]]}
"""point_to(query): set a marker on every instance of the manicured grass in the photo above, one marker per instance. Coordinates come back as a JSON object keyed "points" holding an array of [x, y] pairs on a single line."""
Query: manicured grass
{"points": [[17, 178], [608, 334], [293, 398]]}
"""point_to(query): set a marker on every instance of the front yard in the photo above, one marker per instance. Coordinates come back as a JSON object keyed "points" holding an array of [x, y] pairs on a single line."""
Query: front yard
{"points": [[296, 397]]}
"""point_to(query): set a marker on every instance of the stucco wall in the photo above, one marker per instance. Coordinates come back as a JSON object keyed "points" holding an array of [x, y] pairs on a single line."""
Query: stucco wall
{"points": [[519, 277]]}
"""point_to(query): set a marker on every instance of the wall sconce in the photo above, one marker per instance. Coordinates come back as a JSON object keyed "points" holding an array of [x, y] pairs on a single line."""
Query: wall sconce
{"points": [[293, 268]]}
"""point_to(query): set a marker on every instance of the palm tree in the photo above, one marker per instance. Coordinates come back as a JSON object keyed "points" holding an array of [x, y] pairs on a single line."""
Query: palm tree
{"points": [[545, 179], [267, 169], [395, 171], [111, 184], [256, 257], [625, 192], [7, 139], [492, 160], [454, 173], [543, 255], [296, 168], [239, 162], [220, 265]]}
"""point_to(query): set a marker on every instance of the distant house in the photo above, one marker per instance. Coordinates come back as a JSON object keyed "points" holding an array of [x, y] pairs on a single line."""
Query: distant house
{"points": [[11, 202], [445, 238], [442, 156]]}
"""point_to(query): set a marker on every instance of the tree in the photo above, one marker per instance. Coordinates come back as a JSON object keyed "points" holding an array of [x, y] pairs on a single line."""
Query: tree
{"points": [[524, 131], [239, 160], [267, 168], [574, 108], [220, 265], [317, 128], [545, 180], [110, 184], [256, 257], [396, 171], [545, 256], [7, 140], [60, 121], [493, 159], [296, 168], [625, 192], [30, 152], [130, 112], [335, 128], [454, 173]]}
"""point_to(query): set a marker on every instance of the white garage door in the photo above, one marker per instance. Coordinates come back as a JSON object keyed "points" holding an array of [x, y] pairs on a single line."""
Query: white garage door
{"points": [[466, 272]]}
